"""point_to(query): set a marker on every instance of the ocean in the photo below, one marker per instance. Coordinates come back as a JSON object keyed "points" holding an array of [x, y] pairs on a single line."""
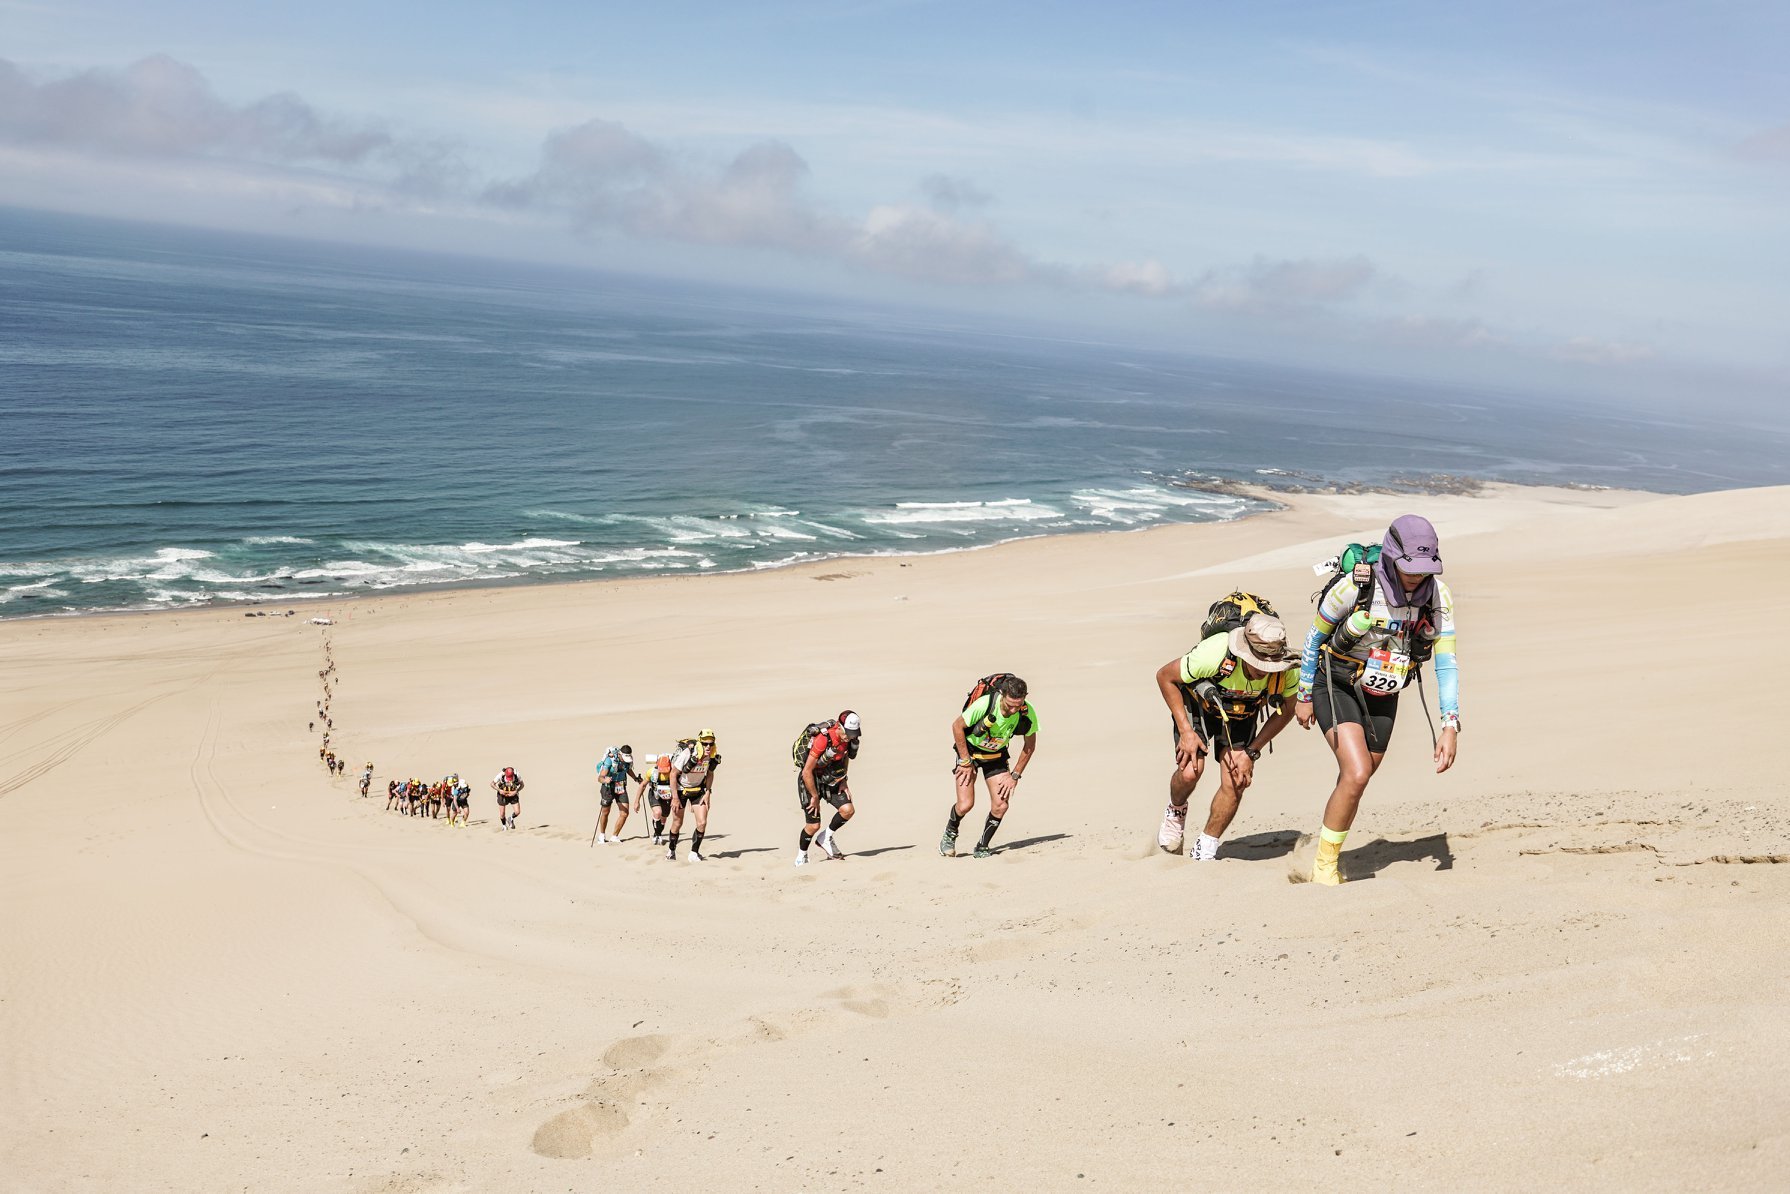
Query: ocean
{"points": [[191, 418]]}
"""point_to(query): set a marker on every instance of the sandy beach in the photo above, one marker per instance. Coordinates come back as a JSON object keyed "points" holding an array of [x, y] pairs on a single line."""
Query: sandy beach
{"points": [[1559, 965]]}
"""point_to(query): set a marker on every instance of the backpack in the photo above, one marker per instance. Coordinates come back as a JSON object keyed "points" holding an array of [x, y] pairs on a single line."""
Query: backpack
{"points": [[1226, 614], [1229, 613], [1357, 562], [983, 687], [798, 750]]}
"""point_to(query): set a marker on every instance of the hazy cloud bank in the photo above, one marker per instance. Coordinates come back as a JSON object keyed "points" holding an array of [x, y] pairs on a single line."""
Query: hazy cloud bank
{"points": [[160, 119], [604, 176], [161, 106]]}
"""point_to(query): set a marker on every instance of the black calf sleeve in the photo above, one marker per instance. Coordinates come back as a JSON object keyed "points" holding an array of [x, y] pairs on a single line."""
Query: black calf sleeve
{"points": [[955, 820], [993, 823], [804, 838], [696, 841], [836, 822]]}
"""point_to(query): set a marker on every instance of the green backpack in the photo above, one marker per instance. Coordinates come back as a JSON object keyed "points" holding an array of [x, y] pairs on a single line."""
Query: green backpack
{"points": [[1354, 561]]}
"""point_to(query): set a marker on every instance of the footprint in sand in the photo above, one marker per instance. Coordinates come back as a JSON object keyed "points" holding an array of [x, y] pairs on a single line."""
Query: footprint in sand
{"points": [[634, 1052], [600, 1114], [868, 1001], [573, 1133], [635, 1063]]}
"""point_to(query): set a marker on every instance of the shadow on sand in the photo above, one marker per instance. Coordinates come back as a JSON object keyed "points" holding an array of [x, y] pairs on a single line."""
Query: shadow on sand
{"points": [[1260, 845], [1367, 861], [880, 850], [1024, 842]]}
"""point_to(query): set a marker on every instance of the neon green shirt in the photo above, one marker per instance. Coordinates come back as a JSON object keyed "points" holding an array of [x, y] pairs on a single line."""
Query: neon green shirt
{"points": [[990, 734], [1242, 694]]}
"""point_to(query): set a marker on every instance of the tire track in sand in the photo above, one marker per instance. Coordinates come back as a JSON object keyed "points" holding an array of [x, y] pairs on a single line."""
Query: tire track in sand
{"points": [[71, 742]]}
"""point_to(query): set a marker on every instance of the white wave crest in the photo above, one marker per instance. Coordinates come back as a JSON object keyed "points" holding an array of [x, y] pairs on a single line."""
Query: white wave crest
{"points": [[1128, 507], [1009, 510], [524, 545]]}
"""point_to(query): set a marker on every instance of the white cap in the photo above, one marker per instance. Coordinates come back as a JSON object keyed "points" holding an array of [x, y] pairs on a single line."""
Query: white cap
{"points": [[851, 725]]}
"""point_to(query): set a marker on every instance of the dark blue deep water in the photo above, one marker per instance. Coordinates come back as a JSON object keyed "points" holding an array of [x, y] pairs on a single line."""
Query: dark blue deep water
{"points": [[189, 418]]}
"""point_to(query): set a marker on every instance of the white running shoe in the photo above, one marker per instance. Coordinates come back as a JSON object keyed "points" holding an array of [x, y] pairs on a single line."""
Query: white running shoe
{"points": [[824, 839], [1174, 829], [602, 839], [801, 858], [696, 857]]}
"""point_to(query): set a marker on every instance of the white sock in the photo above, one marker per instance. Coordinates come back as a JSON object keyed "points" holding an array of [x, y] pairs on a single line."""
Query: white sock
{"points": [[1207, 849]]}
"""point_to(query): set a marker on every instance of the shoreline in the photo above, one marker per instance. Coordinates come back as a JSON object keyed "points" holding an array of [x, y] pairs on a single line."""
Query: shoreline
{"points": [[1275, 498]]}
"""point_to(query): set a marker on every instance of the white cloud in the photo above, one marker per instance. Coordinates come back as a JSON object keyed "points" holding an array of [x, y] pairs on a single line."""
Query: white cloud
{"points": [[1149, 278], [159, 106], [916, 242], [1265, 286]]}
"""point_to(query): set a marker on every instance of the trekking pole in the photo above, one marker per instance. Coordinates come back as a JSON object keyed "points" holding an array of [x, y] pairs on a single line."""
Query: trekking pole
{"points": [[1423, 698]]}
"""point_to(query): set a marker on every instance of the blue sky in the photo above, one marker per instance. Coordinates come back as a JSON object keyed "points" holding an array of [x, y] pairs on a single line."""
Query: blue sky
{"points": [[1591, 196]]}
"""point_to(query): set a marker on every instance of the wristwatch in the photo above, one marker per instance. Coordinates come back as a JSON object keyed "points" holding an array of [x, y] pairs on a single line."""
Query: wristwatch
{"points": [[1255, 755]]}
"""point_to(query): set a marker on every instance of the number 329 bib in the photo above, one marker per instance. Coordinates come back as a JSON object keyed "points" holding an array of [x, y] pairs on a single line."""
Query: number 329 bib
{"points": [[1387, 672]]}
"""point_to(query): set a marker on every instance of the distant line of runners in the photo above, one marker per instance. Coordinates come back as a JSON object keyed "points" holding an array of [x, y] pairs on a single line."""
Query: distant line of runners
{"points": [[1382, 613]]}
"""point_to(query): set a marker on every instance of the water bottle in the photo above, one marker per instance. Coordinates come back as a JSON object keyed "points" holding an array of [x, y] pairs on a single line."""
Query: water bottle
{"points": [[1348, 635]]}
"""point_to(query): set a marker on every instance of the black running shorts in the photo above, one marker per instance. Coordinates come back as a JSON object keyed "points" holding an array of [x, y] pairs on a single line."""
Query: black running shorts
{"points": [[1211, 728], [830, 792], [1334, 698], [999, 765]]}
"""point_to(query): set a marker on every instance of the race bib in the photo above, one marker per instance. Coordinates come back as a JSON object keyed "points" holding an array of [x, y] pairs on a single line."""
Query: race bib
{"points": [[1387, 672]]}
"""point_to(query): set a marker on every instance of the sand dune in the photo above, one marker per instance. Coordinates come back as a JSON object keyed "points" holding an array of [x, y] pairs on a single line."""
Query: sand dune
{"points": [[1561, 964]]}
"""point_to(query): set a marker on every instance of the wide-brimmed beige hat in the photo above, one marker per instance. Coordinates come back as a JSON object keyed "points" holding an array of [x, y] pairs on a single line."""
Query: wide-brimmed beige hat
{"points": [[1261, 642]]}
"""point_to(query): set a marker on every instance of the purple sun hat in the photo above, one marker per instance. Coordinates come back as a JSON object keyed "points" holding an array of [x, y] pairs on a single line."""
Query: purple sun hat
{"points": [[1411, 546]]}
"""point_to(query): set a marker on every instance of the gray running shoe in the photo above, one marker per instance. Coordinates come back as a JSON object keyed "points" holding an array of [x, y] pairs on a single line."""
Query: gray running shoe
{"points": [[983, 851], [948, 845]]}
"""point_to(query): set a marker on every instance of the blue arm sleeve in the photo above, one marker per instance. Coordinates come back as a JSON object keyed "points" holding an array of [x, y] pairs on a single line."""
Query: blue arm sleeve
{"points": [[1448, 684], [1308, 662]]}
